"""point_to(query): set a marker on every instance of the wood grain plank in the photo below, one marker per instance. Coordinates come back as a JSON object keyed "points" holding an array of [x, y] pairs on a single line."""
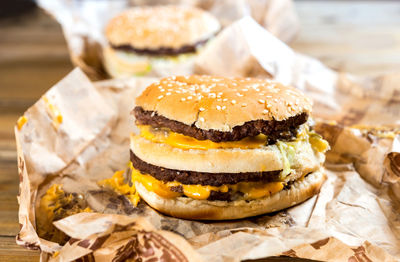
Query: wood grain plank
{"points": [[33, 57], [9, 251], [9, 180], [361, 37]]}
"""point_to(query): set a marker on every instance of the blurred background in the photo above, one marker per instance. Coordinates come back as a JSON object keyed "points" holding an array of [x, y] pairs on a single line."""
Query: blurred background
{"points": [[360, 37]]}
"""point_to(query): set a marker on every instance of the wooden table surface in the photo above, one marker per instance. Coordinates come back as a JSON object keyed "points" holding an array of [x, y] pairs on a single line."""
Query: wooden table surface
{"points": [[355, 36]]}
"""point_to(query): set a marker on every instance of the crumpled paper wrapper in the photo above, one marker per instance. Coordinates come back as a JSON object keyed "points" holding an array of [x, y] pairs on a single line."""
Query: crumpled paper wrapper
{"points": [[355, 217], [83, 24]]}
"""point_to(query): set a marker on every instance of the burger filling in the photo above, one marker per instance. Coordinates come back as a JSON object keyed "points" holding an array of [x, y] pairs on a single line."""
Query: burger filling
{"points": [[141, 61], [166, 136], [244, 190], [274, 130], [170, 183]]}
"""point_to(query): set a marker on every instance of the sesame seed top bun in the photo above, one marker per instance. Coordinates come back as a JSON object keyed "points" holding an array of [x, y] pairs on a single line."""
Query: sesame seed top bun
{"points": [[161, 26], [221, 103]]}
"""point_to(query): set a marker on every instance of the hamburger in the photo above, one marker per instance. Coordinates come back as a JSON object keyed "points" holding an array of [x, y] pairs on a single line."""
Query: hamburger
{"points": [[215, 148], [154, 39]]}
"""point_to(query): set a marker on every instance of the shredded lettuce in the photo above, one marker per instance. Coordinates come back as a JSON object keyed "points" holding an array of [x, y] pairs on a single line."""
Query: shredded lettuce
{"points": [[288, 150]]}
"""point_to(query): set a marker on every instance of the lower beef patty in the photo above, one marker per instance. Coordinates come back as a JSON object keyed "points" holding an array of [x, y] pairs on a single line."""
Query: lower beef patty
{"points": [[273, 129], [201, 178]]}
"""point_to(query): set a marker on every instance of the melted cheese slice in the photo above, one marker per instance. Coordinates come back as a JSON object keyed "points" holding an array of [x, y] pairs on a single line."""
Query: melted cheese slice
{"points": [[56, 204], [251, 190], [177, 140], [21, 122], [54, 112], [186, 142], [117, 183]]}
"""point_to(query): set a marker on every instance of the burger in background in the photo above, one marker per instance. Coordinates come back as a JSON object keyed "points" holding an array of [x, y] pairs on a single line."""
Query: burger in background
{"points": [[156, 40]]}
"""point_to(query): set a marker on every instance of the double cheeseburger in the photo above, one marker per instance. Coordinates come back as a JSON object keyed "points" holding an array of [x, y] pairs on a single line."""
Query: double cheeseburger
{"points": [[154, 39], [216, 148]]}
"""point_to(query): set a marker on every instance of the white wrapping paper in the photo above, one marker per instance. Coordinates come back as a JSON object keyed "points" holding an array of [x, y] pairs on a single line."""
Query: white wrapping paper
{"points": [[356, 214]]}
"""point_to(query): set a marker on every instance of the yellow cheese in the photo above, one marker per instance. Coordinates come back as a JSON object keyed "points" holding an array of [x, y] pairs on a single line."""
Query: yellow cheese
{"points": [[251, 190], [54, 112], [118, 184], [186, 142], [173, 139], [54, 205], [317, 142], [21, 122], [261, 190], [201, 192]]}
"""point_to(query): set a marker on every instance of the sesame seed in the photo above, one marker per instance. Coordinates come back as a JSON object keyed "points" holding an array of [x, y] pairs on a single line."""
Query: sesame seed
{"points": [[218, 107], [201, 109], [183, 99], [265, 111], [212, 95], [168, 93], [269, 105], [162, 90], [225, 99], [244, 104], [233, 102], [159, 97], [239, 94], [201, 119], [219, 99], [261, 101], [189, 97], [223, 107]]}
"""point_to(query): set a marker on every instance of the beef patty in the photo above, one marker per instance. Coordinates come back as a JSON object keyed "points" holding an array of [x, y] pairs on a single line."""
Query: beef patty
{"points": [[273, 129], [162, 51], [201, 178]]}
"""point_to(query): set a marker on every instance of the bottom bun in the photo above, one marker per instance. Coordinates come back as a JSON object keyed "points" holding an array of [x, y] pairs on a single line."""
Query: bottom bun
{"points": [[188, 208]]}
